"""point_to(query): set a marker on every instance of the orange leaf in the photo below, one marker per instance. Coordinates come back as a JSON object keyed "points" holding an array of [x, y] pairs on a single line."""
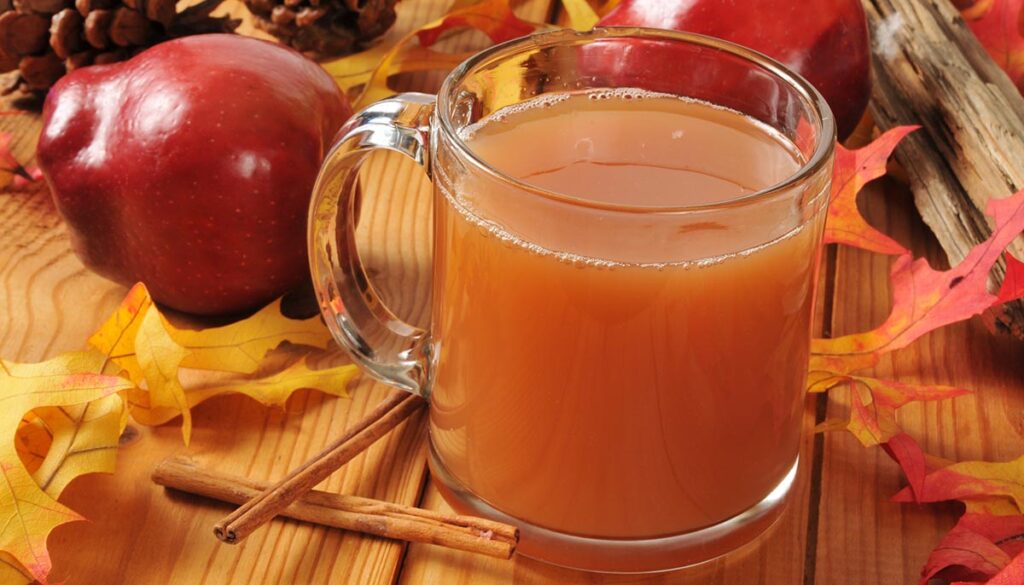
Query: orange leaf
{"points": [[925, 299], [873, 404], [995, 23], [854, 169], [822, 368]]}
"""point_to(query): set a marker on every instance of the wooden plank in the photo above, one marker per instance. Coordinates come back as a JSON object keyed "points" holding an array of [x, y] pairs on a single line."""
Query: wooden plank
{"points": [[864, 538]]}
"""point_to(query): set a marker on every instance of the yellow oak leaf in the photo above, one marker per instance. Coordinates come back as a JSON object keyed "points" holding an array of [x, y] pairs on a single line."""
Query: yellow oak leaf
{"points": [[272, 389], [83, 436], [32, 441], [27, 513], [160, 358], [11, 572], [116, 337], [822, 368], [240, 347]]}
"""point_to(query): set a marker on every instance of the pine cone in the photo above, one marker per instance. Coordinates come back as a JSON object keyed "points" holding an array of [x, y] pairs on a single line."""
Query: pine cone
{"points": [[324, 28], [44, 39]]}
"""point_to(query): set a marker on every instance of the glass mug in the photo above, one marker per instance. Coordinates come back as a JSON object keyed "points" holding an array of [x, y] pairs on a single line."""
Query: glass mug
{"points": [[622, 382]]}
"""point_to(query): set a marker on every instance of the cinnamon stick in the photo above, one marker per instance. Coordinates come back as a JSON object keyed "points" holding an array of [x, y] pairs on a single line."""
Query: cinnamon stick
{"points": [[274, 499], [365, 515], [930, 70]]}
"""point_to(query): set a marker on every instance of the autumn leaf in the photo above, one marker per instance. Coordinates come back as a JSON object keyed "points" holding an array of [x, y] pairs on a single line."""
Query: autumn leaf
{"points": [[11, 571], [969, 550], [822, 367], [925, 299], [972, 481], [874, 403], [272, 390], [853, 169], [996, 24], [911, 459], [26, 176], [1012, 574], [10, 169], [116, 337], [1013, 283], [980, 547], [160, 358], [28, 513], [494, 18], [581, 16], [371, 69], [240, 347], [156, 355], [1011, 289], [86, 434], [32, 441]]}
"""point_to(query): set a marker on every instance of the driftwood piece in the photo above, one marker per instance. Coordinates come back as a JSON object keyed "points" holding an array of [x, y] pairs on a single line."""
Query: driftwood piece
{"points": [[931, 70]]}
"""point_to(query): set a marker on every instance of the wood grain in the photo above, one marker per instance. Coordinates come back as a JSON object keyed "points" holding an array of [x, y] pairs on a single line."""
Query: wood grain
{"points": [[863, 538]]}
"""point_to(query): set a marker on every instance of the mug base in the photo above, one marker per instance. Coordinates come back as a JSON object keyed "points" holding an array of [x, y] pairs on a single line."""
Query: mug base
{"points": [[654, 555]]}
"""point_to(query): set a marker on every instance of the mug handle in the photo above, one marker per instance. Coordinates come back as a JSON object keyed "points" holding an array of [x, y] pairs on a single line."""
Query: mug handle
{"points": [[387, 347]]}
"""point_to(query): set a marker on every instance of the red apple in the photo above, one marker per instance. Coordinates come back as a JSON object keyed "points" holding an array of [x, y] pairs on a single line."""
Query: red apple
{"points": [[825, 41], [190, 167]]}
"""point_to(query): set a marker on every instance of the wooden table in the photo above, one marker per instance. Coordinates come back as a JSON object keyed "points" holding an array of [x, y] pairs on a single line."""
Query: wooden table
{"points": [[840, 528]]}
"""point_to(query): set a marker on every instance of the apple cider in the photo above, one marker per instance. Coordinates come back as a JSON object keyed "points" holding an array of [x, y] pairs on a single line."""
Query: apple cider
{"points": [[631, 383]]}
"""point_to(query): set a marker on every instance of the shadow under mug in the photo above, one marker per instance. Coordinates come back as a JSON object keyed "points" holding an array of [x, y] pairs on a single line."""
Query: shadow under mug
{"points": [[652, 421]]}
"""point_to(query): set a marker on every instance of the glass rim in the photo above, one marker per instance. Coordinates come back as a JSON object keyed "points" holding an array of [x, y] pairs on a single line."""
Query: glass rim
{"points": [[825, 120]]}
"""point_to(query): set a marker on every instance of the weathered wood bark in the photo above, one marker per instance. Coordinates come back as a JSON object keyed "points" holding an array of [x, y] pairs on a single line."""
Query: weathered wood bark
{"points": [[932, 71]]}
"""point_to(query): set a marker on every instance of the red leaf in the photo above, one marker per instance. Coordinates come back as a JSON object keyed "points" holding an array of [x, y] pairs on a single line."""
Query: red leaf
{"points": [[908, 454], [854, 169], [925, 299], [964, 554], [10, 169], [971, 481], [995, 23], [1013, 284], [1012, 574], [493, 17], [1005, 531], [32, 174]]}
